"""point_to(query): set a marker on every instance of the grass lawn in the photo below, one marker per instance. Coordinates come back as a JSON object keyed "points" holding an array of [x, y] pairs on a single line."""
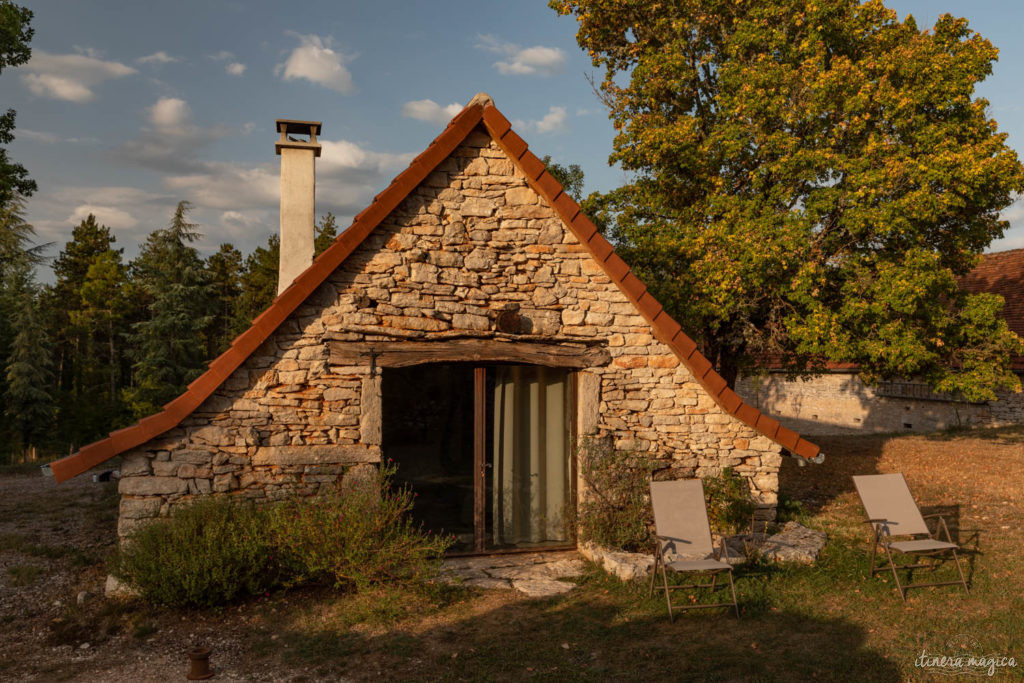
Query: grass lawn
{"points": [[829, 621]]}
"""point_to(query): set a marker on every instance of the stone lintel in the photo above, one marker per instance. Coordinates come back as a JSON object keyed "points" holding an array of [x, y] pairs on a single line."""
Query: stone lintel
{"points": [[316, 455]]}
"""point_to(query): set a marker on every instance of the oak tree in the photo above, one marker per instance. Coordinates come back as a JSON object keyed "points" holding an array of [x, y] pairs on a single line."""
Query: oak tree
{"points": [[809, 179]]}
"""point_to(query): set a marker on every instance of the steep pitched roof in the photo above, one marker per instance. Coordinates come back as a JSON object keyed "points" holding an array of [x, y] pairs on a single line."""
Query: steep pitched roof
{"points": [[1002, 273], [480, 110]]}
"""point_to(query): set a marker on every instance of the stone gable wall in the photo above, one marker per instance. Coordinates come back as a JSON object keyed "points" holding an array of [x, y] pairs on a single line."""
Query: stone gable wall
{"points": [[471, 241]]}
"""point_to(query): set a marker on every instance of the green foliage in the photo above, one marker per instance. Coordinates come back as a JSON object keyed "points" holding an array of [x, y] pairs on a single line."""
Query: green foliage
{"points": [[729, 501], [571, 177], [15, 34], [356, 536], [324, 233], [224, 269], [215, 550], [29, 403], [206, 553], [615, 510], [168, 347], [808, 180]]}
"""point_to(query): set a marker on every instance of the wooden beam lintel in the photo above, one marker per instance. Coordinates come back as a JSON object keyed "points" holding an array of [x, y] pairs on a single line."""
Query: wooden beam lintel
{"points": [[401, 354]]}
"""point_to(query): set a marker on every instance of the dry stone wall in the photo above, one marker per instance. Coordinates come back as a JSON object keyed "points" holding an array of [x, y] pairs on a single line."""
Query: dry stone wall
{"points": [[471, 242], [840, 403]]}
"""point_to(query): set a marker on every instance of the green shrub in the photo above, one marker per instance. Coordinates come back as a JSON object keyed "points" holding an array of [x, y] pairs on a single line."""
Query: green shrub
{"points": [[615, 512], [730, 503], [356, 536], [206, 553], [216, 550]]}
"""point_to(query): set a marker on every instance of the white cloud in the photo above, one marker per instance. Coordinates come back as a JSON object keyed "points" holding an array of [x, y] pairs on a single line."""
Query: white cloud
{"points": [[430, 111], [171, 115], [523, 61], [110, 216], [221, 56], [160, 57], [235, 69], [314, 60], [38, 136], [69, 77], [555, 121], [172, 141]]}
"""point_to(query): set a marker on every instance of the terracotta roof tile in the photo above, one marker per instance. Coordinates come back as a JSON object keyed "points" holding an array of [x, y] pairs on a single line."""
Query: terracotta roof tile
{"points": [[363, 224], [1002, 273]]}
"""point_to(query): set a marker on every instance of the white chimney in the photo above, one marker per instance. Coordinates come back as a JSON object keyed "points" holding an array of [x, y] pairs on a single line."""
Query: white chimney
{"points": [[298, 187]]}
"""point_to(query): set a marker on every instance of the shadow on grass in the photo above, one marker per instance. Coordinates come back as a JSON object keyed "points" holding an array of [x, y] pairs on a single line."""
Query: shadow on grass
{"points": [[817, 485], [603, 630]]}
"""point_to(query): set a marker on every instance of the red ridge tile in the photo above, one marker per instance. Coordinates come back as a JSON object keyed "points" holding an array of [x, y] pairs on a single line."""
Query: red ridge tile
{"points": [[513, 145], [496, 122], [531, 166]]}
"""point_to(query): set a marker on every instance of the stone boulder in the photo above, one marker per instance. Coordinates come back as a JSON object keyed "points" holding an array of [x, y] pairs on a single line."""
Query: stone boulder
{"points": [[795, 543]]}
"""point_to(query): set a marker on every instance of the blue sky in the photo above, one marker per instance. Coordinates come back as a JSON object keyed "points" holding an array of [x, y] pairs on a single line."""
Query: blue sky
{"points": [[128, 107]]}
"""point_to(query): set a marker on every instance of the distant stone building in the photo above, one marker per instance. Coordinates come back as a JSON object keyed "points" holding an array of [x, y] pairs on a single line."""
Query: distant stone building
{"points": [[838, 402], [471, 325]]}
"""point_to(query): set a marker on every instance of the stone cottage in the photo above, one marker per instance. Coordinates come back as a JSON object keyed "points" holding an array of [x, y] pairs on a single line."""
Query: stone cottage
{"points": [[838, 402], [471, 325]]}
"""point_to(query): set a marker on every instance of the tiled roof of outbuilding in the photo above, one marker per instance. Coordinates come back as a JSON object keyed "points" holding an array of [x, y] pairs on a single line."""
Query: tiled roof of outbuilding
{"points": [[1002, 272], [480, 110]]}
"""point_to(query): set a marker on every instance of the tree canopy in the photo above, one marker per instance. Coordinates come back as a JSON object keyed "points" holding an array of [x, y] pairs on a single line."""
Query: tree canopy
{"points": [[809, 179], [15, 33]]}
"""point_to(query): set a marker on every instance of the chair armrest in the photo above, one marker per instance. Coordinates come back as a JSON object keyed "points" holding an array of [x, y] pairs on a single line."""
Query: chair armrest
{"points": [[933, 516]]}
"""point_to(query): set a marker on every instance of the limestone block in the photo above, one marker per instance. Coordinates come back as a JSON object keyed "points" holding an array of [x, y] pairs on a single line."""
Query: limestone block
{"points": [[165, 469], [225, 482], [315, 454], [478, 206], [589, 401], [135, 464], [519, 196], [213, 435], [454, 233], [370, 416], [480, 259], [424, 272], [151, 486], [140, 508], [470, 322]]}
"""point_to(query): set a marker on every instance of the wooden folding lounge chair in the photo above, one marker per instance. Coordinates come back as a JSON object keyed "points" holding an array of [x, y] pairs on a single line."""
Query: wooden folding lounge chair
{"points": [[891, 511], [681, 528]]}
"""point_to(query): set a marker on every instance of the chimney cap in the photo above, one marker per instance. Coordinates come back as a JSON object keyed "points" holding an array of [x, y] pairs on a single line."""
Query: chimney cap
{"points": [[297, 127]]}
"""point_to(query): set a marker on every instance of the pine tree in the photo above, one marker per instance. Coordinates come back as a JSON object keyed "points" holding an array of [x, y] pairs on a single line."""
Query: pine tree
{"points": [[224, 269], [81, 357], [169, 347], [29, 403]]}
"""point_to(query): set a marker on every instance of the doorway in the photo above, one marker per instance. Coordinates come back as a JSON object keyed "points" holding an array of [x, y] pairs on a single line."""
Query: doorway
{"points": [[486, 449]]}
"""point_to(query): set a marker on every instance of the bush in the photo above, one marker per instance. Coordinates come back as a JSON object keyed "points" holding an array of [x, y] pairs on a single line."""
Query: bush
{"points": [[206, 553], [730, 503], [356, 536], [615, 512], [215, 550]]}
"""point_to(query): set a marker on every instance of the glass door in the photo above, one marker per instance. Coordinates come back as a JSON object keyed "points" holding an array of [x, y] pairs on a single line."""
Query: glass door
{"points": [[487, 450]]}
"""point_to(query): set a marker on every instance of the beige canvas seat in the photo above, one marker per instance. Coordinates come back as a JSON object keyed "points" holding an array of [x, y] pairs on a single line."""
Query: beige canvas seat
{"points": [[683, 541], [891, 511]]}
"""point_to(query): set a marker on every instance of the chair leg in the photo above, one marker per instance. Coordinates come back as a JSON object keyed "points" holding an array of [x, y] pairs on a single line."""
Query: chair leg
{"points": [[668, 593], [654, 573], [895, 576], [732, 587], [874, 552], [960, 571]]}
